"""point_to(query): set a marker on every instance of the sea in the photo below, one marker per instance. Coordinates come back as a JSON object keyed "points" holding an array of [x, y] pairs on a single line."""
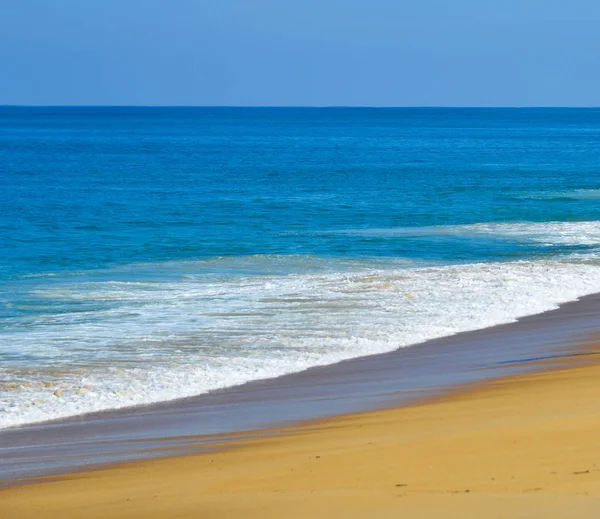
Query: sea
{"points": [[149, 254]]}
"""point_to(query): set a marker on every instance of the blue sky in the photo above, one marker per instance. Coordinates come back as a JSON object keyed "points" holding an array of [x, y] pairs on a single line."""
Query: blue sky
{"points": [[300, 52]]}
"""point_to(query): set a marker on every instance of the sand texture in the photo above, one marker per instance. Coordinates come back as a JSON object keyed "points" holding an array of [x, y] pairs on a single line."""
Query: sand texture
{"points": [[522, 447]]}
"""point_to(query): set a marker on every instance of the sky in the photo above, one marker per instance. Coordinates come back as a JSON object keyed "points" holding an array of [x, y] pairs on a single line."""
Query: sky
{"points": [[300, 52]]}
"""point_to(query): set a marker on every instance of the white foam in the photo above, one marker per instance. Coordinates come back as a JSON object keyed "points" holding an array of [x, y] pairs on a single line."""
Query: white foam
{"points": [[545, 233], [152, 341]]}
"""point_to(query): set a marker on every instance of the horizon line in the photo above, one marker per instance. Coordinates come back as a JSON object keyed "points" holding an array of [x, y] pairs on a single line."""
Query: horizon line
{"points": [[301, 106]]}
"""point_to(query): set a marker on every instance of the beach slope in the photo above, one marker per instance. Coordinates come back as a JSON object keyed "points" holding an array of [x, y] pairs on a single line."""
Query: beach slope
{"points": [[520, 447]]}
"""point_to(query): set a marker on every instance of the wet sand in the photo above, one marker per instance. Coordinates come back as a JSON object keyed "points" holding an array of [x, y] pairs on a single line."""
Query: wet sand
{"points": [[207, 422], [520, 447]]}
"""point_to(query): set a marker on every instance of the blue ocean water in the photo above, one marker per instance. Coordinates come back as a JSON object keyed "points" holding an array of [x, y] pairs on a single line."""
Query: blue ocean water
{"points": [[153, 253]]}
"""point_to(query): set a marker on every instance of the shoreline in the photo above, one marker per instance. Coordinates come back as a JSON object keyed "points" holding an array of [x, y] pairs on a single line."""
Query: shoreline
{"points": [[389, 380], [517, 446]]}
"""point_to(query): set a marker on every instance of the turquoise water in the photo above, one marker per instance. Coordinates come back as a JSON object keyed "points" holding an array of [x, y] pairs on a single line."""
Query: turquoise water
{"points": [[153, 253]]}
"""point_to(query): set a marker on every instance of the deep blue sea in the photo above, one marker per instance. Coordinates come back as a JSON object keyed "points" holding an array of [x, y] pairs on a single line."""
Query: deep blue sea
{"points": [[153, 253]]}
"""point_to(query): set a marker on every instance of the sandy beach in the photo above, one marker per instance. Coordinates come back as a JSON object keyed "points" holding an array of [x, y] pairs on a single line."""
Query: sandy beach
{"points": [[521, 446]]}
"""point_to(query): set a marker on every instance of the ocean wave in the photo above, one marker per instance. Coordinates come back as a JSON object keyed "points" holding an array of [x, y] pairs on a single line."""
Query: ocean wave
{"points": [[572, 194], [545, 233], [155, 341]]}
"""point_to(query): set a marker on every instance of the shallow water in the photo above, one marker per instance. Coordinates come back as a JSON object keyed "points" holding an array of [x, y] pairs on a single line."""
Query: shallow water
{"points": [[565, 336]]}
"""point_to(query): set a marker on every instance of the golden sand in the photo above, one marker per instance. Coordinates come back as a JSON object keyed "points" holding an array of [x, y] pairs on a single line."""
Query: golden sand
{"points": [[523, 447]]}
